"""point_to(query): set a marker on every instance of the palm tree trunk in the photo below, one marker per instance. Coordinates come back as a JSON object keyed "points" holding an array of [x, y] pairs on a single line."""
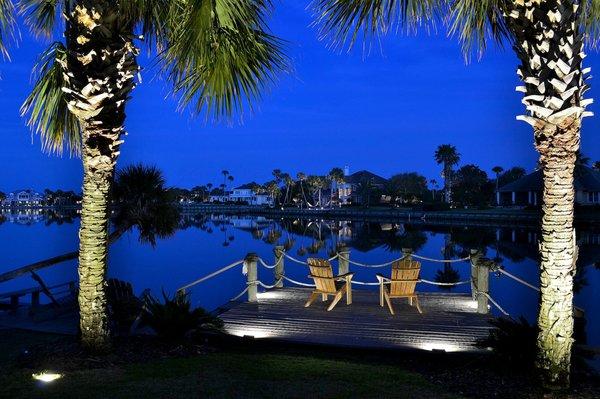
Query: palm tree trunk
{"points": [[558, 251], [101, 67], [549, 43], [93, 244]]}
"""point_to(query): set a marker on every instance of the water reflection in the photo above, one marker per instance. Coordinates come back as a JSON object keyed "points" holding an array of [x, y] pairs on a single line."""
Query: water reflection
{"points": [[205, 242]]}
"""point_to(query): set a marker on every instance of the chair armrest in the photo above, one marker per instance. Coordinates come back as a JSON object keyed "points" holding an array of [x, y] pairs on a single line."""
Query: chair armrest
{"points": [[382, 279], [344, 276]]}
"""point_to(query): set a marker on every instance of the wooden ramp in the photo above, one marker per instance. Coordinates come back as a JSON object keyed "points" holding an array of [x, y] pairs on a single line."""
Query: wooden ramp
{"points": [[449, 322]]}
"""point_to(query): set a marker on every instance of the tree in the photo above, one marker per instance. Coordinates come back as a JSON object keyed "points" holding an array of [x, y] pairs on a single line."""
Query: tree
{"points": [[472, 186], [511, 175], [272, 187], [434, 187], [336, 175], [225, 173], [597, 165], [217, 57], [408, 187], [548, 37], [497, 170], [447, 156]]}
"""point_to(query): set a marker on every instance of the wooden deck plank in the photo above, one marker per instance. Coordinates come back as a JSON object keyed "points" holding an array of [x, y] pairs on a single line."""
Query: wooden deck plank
{"points": [[450, 321]]}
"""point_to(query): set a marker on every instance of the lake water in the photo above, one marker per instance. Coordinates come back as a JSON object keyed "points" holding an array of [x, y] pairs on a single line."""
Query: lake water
{"points": [[205, 243]]}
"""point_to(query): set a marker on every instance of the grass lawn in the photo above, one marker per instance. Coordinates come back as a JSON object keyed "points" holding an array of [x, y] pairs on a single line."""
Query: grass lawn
{"points": [[224, 374]]}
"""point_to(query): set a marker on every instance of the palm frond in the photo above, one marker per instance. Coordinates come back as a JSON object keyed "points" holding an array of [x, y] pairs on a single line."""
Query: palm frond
{"points": [[46, 106], [40, 15], [7, 24], [219, 55], [150, 15], [590, 20], [344, 21], [476, 22]]}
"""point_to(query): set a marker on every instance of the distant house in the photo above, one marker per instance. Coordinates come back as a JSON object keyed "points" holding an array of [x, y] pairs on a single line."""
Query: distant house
{"points": [[23, 198], [247, 194], [242, 194], [528, 189], [348, 191]]}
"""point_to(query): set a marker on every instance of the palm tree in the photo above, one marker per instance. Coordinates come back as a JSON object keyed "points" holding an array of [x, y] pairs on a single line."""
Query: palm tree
{"points": [[225, 173], [497, 170], [434, 185], [216, 57], [447, 155], [597, 165], [336, 175], [230, 179], [548, 37]]}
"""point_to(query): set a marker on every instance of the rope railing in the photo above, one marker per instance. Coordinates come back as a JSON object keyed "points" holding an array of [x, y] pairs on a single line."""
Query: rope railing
{"points": [[441, 260], [500, 308], [294, 259], [444, 284], [266, 265], [268, 287], [297, 282], [512, 276], [238, 296], [369, 265], [211, 275]]}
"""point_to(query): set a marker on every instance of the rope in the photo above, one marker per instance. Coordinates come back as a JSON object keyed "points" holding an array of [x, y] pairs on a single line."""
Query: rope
{"points": [[294, 259], [444, 284], [185, 287], [238, 296], [363, 283], [441, 260], [297, 282], [518, 279], [262, 262], [334, 257], [366, 265], [494, 303], [268, 287]]}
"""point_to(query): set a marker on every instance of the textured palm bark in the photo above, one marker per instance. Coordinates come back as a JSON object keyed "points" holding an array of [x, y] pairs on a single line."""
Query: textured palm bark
{"points": [[100, 72], [549, 43]]}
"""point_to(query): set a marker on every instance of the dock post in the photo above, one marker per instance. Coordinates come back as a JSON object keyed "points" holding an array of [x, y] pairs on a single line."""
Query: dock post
{"points": [[480, 281], [344, 257], [407, 252], [279, 265], [250, 262]]}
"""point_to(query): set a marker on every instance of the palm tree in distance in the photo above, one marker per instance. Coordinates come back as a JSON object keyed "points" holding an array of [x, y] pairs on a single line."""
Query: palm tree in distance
{"points": [[434, 185], [336, 175], [225, 173], [215, 57], [548, 38], [497, 170], [230, 179], [447, 156]]}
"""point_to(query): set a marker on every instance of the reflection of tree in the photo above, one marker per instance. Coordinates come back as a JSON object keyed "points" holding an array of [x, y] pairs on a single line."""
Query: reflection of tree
{"points": [[411, 237], [447, 275]]}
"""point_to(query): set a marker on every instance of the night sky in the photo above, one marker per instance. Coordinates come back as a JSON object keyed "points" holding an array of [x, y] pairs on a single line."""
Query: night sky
{"points": [[385, 112]]}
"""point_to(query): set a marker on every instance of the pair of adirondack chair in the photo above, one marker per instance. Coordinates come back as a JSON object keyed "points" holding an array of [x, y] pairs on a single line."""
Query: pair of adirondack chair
{"points": [[402, 284]]}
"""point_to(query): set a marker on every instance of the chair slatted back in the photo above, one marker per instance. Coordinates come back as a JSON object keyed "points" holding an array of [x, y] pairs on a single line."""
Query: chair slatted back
{"points": [[322, 274], [405, 274]]}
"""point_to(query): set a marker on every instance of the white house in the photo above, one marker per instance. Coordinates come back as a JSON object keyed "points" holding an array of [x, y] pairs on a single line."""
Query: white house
{"points": [[23, 198], [247, 194]]}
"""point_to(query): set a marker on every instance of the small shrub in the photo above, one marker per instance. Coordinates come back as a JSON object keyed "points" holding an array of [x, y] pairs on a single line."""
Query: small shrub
{"points": [[513, 341], [174, 318]]}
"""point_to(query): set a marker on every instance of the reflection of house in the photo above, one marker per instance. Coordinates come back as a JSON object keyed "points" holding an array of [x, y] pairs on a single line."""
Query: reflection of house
{"points": [[23, 198], [245, 194], [350, 190], [528, 189]]}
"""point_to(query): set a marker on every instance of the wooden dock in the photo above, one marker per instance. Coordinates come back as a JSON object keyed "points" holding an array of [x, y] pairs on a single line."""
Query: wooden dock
{"points": [[449, 322]]}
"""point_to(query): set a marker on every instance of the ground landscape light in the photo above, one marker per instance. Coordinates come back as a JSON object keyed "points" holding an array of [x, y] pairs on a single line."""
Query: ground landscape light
{"points": [[46, 376]]}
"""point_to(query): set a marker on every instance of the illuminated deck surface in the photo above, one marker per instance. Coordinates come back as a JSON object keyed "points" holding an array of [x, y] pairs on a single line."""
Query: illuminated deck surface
{"points": [[449, 321]]}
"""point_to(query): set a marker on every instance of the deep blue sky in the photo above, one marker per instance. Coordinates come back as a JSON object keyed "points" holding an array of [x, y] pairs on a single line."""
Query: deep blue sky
{"points": [[386, 112]]}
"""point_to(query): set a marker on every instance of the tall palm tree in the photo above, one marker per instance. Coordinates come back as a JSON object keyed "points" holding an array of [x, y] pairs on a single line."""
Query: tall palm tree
{"points": [[497, 170], [336, 175], [434, 185], [230, 179], [447, 156], [225, 173], [217, 55], [548, 37]]}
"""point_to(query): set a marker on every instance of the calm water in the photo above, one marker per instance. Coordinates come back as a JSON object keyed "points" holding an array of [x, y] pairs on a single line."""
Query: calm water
{"points": [[205, 243]]}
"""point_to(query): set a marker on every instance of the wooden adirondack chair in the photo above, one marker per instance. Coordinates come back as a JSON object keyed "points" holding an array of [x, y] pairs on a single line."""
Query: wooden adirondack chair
{"points": [[328, 284], [405, 275]]}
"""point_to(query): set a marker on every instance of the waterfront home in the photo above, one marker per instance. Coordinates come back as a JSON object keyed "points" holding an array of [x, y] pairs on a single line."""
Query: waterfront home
{"points": [[247, 194], [527, 191], [349, 192], [26, 198]]}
